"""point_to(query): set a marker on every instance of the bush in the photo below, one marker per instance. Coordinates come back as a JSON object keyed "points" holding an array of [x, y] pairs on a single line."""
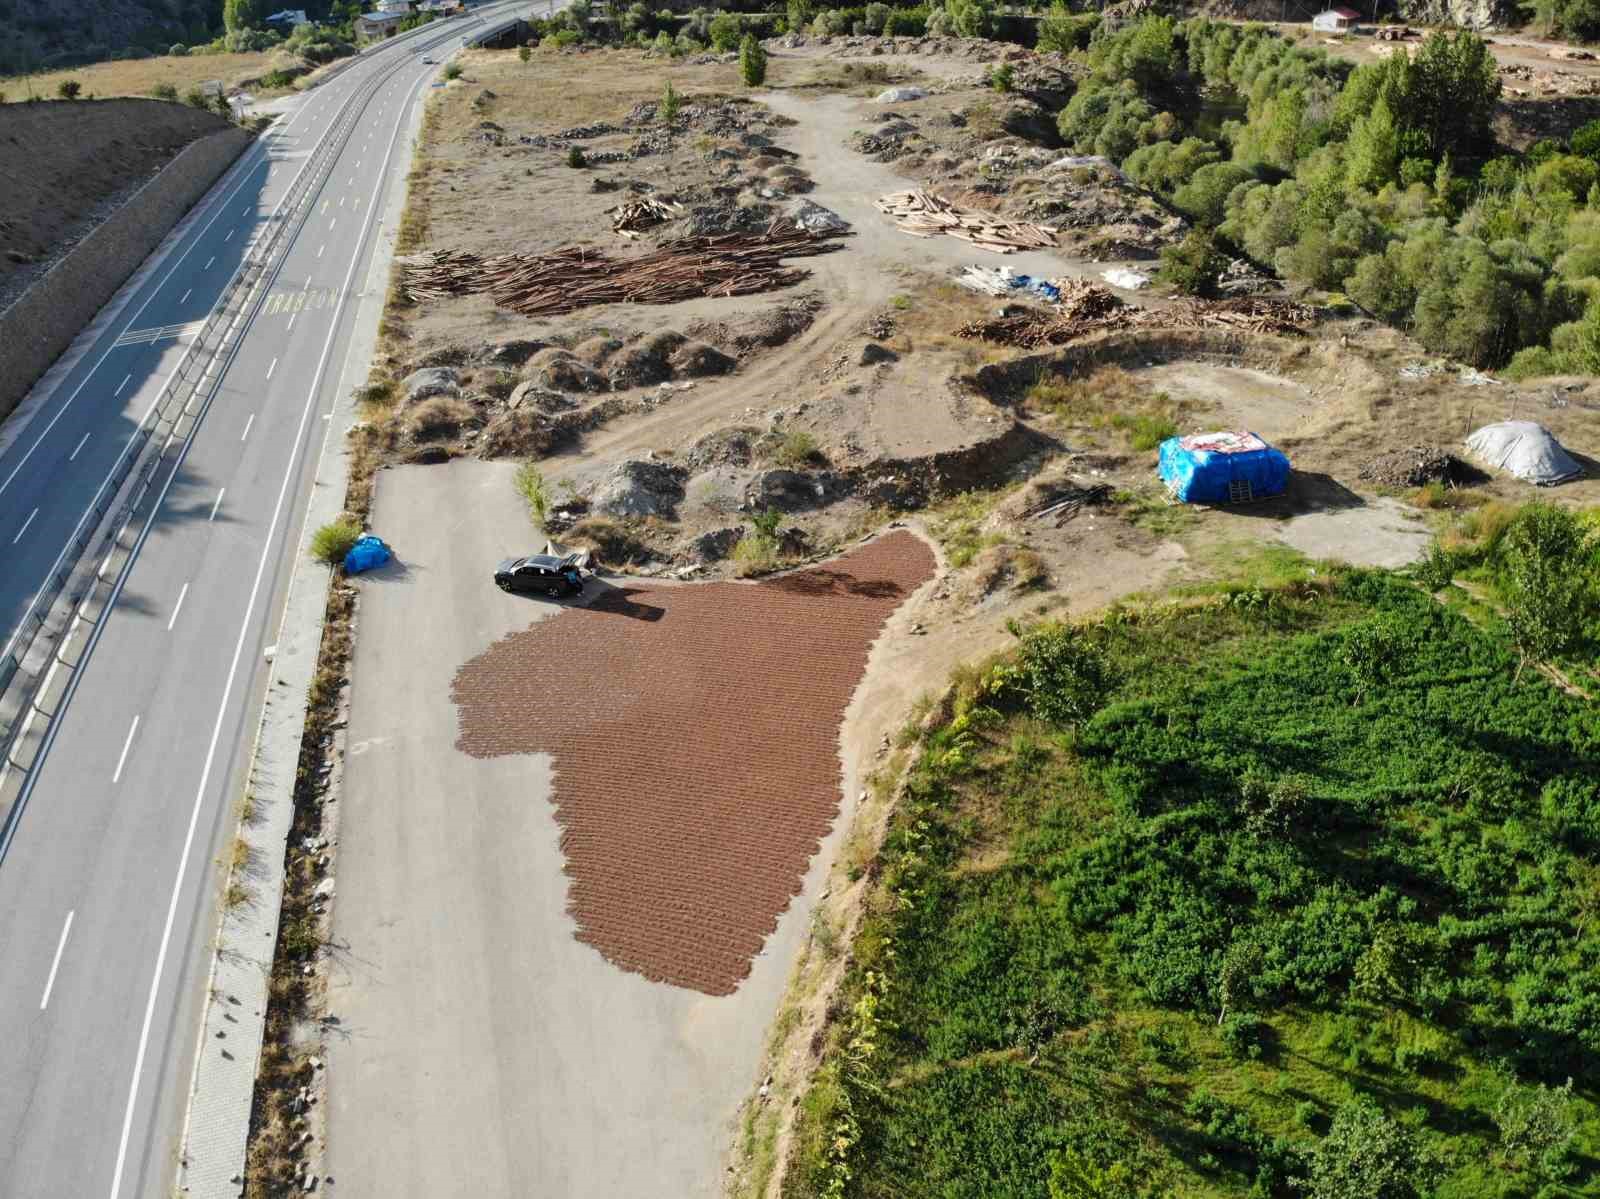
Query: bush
{"points": [[195, 98], [177, 50], [1059, 674], [797, 449], [452, 70], [69, 89], [1547, 575], [524, 54], [876, 17], [575, 158], [752, 61], [332, 541], [1002, 77], [1063, 31], [164, 91], [1366, 1155], [671, 102], [1245, 1036], [1193, 266]]}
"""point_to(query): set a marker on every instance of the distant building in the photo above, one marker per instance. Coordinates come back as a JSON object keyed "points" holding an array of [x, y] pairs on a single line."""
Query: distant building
{"points": [[1336, 20], [371, 26], [289, 18]]}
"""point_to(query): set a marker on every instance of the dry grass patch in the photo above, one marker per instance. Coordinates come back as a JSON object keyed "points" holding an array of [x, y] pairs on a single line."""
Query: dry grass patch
{"points": [[1109, 400], [135, 77], [440, 416]]}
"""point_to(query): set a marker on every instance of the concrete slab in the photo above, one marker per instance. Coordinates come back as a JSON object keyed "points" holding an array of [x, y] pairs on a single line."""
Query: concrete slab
{"points": [[481, 1049]]}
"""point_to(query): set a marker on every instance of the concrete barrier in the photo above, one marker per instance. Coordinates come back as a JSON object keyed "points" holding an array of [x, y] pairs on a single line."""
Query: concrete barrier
{"points": [[42, 322]]}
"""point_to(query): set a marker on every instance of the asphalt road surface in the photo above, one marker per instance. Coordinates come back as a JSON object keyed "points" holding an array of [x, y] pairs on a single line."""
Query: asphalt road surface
{"points": [[108, 886]]}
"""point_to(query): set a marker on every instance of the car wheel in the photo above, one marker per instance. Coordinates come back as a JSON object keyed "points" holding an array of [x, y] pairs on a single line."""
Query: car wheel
{"points": [[503, 584], [553, 590]]}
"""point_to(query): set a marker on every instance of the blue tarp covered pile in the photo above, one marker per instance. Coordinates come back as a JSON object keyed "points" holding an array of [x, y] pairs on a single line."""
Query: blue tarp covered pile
{"points": [[368, 553], [1218, 468]]}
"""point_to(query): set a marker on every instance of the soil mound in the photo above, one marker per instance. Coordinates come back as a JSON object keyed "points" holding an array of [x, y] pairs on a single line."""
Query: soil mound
{"points": [[1417, 466], [698, 768]]}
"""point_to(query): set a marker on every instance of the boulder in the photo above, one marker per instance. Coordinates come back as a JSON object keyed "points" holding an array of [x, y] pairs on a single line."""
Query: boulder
{"points": [[431, 381], [786, 490], [560, 370], [639, 488], [734, 445], [872, 354], [514, 352], [696, 360], [534, 396], [716, 545]]}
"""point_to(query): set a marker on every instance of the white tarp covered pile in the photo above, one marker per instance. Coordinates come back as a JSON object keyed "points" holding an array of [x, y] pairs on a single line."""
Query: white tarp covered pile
{"points": [[1525, 449]]}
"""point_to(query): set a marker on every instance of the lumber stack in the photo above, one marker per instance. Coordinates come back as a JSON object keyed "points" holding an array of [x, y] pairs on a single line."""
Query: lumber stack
{"points": [[578, 277], [645, 212], [925, 214], [1087, 308]]}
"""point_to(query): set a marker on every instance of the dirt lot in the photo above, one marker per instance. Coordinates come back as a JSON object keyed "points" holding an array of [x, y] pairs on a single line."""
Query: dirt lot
{"points": [[67, 163], [741, 435]]}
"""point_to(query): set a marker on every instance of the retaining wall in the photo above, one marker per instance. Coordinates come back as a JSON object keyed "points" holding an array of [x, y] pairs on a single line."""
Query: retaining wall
{"points": [[42, 322]]}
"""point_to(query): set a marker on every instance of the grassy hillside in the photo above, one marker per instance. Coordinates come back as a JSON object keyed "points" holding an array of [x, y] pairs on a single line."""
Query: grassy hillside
{"points": [[1306, 907]]}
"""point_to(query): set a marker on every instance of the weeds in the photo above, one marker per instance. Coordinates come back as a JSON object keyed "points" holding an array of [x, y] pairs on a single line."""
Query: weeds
{"points": [[439, 416], [797, 450], [334, 540]]}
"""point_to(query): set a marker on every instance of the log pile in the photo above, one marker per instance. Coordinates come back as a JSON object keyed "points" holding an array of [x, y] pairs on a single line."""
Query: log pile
{"points": [[1087, 308], [1063, 503], [644, 212], [578, 277], [924, 214]]}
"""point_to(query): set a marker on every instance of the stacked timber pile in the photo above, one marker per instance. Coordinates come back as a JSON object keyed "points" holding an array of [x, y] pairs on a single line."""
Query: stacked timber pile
{"points": [[924, 214], [688, 268], [635, 216], [1089, 308]]}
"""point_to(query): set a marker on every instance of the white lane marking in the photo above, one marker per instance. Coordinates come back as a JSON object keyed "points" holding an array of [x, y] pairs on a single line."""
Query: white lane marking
{"points": [[79, 446], [321, 248], [25, 525], [55, 965], [185, 298], [120, 386], [216, 505], [247, 425], [333, 222], [290, 325], [229, 237], [247, 208], [132, 321], [209, 261], [272, 368], [325, 206], [341, 201], [177, 607], [126, 745]]}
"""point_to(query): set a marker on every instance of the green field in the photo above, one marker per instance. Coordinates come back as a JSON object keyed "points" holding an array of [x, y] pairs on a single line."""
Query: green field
{"points": [[1307, 906]]}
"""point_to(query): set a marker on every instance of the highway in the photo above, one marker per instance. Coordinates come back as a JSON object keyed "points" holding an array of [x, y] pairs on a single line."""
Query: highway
{"points": [[108, 884]]}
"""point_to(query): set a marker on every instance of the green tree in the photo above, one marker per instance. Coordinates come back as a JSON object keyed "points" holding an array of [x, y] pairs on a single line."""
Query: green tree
{"points": [[724, 32], [752, 61], [798, 14], [671, 102], [1366, 1155], [524, 53], [971, 18], [239, 15], [1547, 577], [1372, 155], [1063, 31], [876, 17]]}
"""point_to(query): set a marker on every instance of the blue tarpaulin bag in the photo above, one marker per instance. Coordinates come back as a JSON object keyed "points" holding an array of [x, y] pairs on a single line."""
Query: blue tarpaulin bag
{"points": [[1221, 468], [368, 553]]}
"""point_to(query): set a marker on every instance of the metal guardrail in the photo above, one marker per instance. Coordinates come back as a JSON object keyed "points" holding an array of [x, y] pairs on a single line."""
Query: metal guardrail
{"points": [[25, 663]]}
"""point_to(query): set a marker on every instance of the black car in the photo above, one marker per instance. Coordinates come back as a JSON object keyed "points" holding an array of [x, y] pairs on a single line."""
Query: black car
{"points": [[543, 573]]}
